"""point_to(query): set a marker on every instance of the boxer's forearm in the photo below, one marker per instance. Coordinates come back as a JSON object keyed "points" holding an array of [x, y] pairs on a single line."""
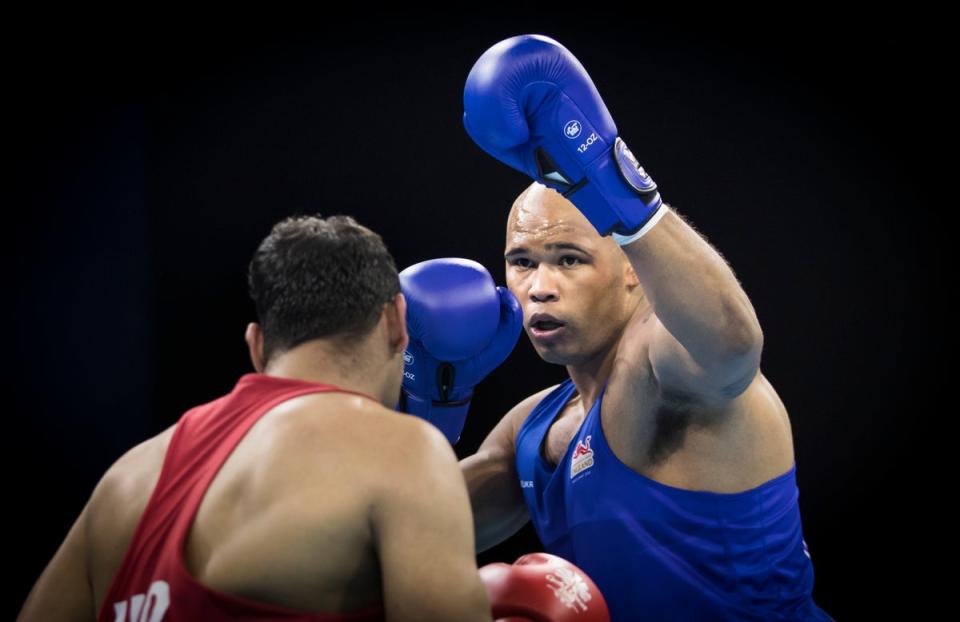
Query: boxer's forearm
{"points": [[695, 293]]}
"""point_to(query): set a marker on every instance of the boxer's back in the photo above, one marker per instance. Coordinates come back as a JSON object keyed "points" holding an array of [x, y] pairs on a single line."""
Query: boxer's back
{"points": [[310, 485], [286, 519]]}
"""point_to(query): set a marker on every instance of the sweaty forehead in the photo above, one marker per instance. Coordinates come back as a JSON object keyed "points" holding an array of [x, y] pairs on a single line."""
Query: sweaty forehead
{"points": [[541, 215]]}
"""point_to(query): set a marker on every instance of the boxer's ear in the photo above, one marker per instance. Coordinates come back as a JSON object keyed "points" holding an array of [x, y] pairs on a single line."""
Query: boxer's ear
{"points": [[397, 323], [629, 274], [254, 339]]}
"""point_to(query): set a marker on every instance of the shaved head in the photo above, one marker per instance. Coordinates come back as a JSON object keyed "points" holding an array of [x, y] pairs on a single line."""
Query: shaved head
{"points": [[541, 210], [563, 272]]}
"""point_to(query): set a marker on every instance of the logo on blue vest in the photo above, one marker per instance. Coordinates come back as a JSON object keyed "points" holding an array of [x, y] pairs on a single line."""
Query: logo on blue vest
{"points": [[582, 457]]}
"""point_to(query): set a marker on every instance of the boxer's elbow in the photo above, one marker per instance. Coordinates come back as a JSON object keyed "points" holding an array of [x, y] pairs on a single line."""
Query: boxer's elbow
{"points": [[745, 350], [741, 337], [740, 367], [492, 530], [737, 343]]}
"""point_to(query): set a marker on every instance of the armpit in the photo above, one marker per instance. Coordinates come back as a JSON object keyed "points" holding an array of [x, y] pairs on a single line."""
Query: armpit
{"points": [[672, 418], [675, 413]]}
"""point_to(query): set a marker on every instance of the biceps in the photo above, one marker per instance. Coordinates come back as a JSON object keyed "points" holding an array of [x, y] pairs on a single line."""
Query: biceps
{"points": [[671, 363], [676, 371]]}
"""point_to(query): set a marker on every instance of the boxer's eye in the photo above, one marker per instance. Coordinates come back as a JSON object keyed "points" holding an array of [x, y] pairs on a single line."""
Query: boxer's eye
{"points": [[576, 259]]}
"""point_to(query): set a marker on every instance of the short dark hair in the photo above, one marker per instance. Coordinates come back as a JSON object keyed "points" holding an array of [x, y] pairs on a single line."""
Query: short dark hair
{"points": [[316, 277]]}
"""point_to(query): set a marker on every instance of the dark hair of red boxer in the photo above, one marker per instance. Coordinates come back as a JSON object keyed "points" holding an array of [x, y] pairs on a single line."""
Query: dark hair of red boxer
{"points": [[316, 277]]}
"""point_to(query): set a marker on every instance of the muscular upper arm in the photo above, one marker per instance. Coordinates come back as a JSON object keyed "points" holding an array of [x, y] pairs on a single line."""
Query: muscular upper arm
{"points": [[499, 509], [63, 590], [423, 532], [677, 373]]}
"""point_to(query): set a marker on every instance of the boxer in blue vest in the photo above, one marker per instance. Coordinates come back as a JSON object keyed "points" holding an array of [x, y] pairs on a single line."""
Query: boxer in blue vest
{"points": [[663, 466]]}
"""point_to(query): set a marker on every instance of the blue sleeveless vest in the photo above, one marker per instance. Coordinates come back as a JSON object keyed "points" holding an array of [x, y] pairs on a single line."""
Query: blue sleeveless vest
{"points": [[659, 552]]}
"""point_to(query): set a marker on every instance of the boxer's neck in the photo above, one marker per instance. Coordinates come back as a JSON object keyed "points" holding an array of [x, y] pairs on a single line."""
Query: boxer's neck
{"points": [[318, 362], [589, 376]]}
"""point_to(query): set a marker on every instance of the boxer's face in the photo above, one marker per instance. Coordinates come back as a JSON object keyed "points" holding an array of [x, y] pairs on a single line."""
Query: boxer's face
{"points": [[557, 265]]}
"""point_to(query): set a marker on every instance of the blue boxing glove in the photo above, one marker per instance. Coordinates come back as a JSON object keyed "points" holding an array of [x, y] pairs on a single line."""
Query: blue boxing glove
{"points": [[461, 326], [529, 103]]}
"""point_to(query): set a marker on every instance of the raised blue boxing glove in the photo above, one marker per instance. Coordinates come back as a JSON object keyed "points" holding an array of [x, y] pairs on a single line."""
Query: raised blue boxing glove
{"points": [[461, 326], [530, 103]]}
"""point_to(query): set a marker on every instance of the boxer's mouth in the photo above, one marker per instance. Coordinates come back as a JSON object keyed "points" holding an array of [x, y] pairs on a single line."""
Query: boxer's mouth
{"points": [[543, 324]]}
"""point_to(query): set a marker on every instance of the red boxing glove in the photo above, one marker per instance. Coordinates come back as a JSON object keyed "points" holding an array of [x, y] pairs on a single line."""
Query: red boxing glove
{"points": [[540, 587]]}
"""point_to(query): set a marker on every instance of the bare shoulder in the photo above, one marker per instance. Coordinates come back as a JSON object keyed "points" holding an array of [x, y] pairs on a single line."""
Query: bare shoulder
{"points": [[519, 413], [134, 474], [525, 406], [413, 443], [118, 502], [369, 437], [504, 434], [418, 457]]}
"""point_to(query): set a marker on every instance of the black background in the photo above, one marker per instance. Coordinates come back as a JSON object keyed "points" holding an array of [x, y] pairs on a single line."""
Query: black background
{"points": [[149, 162]]}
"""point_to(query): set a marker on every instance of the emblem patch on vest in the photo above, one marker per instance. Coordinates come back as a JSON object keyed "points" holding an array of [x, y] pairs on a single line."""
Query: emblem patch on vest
{"points": [[582, 457]]}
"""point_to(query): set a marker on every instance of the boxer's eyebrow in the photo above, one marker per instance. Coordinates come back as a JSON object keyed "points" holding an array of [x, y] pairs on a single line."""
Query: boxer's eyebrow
{"points": [[520, 250]]}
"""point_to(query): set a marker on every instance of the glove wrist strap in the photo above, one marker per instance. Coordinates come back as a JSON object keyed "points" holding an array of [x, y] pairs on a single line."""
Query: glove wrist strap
{"points": [[623, 240], [448, 417]]}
